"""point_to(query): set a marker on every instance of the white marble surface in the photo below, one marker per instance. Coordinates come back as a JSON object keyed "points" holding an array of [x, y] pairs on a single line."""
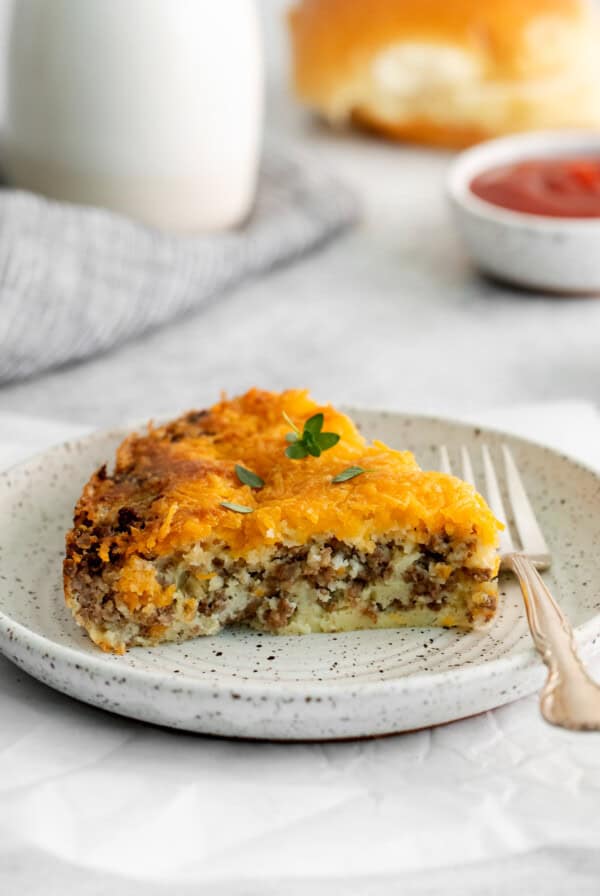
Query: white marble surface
{"points": [[91, 803]]}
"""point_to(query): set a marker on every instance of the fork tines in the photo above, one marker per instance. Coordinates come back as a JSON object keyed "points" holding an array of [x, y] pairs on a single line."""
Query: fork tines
{"points": [[533, 543]]}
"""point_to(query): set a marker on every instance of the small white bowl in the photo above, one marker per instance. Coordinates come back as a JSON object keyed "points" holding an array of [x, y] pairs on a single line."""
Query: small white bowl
{"points": [[534, 251]]}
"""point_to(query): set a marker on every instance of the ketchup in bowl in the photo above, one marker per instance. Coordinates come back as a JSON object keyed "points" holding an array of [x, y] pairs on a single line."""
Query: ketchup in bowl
{"points": [[555, 187]]}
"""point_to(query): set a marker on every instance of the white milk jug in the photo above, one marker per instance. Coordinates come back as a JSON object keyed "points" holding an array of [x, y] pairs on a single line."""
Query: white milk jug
{"points": [[149, 107]]}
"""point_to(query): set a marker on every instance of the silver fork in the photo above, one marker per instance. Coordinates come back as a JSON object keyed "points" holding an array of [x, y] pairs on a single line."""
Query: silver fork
{"points": [[569, 697]]}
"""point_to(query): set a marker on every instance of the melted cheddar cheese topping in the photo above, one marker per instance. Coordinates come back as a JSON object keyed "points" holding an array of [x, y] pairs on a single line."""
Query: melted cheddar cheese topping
{"points": [[169, 483]]}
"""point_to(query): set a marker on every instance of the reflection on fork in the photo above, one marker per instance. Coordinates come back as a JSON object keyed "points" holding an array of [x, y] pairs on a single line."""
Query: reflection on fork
{"points": [[569, 698]]}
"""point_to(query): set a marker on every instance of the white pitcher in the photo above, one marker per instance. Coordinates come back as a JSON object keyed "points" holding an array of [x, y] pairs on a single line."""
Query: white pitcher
{"points": [[149, 107]]}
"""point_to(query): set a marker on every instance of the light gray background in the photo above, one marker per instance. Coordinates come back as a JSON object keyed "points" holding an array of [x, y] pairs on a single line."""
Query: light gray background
{"points": [[390, 315]]}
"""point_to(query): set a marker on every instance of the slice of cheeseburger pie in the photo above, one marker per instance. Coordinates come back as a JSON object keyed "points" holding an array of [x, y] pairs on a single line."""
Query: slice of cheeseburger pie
{"points": [[272, 511]]}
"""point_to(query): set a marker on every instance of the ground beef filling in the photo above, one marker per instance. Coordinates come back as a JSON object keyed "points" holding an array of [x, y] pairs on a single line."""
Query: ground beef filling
{"points": [[338, 573]]}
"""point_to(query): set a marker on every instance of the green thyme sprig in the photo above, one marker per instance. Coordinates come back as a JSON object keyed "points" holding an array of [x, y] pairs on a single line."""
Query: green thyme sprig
{"points": [[237, 508], [247, 477], [311, 440], [350, 473]]}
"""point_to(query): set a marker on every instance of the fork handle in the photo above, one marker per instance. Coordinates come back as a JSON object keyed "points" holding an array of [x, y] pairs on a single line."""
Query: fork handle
{"points": [[569, 698]]}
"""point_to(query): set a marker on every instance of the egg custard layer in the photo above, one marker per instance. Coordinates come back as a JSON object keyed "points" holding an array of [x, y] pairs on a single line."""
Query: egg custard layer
{"points": [[207, 522]]}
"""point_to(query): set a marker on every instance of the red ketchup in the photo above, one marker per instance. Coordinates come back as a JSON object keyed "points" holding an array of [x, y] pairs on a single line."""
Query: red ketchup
{"points": [[556, 187]]}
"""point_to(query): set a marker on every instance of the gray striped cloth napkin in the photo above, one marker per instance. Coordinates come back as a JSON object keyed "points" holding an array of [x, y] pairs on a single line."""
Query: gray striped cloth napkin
{"points": [[76, 280]]}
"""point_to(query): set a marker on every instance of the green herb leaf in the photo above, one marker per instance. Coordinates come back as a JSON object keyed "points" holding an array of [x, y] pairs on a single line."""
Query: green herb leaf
{"points": [[311, 441], [297, 450], [349, 473], [238, 508], [247, 477], [327, 440], [314, 425]]}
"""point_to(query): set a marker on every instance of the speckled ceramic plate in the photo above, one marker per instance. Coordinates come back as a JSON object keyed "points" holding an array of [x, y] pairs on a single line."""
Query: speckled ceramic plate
{"points": [[246, 684]]}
